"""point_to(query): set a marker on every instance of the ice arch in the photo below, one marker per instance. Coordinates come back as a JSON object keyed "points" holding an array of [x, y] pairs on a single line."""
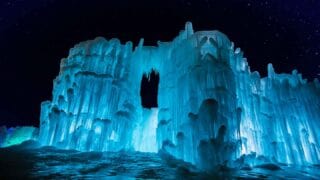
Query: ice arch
{"points": [[211, 108]]}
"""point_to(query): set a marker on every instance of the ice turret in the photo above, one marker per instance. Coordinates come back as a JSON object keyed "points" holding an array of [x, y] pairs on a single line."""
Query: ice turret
{"points": [[189, 29], [271, 72]]}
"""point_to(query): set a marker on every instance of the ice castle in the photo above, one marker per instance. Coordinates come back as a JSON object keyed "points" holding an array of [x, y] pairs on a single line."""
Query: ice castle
{"points": [[211, 108]]}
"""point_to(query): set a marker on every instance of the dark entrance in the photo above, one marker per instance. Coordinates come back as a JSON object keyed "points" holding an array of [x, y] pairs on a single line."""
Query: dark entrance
{"points": [[149, 90]]}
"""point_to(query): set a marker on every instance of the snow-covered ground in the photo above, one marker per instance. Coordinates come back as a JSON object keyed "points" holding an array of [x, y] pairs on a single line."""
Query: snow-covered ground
{"points": [[30, 161]]}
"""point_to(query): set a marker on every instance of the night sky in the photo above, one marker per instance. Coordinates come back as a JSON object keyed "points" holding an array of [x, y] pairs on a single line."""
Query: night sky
{"points": [[36, 34]]}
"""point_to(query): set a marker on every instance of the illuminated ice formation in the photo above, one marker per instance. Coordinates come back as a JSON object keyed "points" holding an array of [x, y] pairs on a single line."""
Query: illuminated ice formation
{"points": [[211, 108], [14, 136]]}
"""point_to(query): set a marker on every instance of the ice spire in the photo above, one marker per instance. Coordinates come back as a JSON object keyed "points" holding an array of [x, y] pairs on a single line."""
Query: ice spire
{"points": [[271, 71], [189, 28]]}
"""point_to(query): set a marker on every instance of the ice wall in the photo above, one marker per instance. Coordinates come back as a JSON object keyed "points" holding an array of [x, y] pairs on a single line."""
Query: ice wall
{"points": [[95, 100], [211, 108]]}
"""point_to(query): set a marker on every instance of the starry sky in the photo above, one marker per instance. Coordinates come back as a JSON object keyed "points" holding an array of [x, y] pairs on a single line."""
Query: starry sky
{"points": [[36, 34]]}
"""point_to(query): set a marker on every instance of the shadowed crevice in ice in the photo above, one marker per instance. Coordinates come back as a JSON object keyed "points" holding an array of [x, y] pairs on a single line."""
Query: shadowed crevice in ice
{"points": [[271, 167], [149, 90]]}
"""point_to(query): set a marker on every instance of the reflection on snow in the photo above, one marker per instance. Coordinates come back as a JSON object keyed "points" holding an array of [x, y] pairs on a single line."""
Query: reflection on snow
{"points": [[24, 161]]}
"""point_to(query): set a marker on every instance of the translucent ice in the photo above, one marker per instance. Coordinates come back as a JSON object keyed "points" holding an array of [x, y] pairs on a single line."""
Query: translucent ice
{"points": [[211, 108], [17, 135], [145, 135]]}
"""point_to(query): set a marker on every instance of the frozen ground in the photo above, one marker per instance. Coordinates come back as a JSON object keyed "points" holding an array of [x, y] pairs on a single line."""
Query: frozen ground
{"points": [[22, 161]]}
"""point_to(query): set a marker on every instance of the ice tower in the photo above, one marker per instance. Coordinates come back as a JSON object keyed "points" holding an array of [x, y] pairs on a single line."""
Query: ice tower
{"points": [[211, 108]]}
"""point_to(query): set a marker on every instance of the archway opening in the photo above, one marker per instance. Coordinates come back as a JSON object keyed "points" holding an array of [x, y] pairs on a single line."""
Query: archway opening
{"points": [[149, 90], [145, 136]]}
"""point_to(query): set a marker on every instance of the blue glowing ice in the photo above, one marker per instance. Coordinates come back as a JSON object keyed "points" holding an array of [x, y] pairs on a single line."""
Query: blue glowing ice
{"points": [[145, 134], [17, 135], [211, 108]]}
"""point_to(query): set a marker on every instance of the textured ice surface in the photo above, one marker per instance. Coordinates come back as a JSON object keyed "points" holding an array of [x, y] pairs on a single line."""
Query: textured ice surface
{"points": [[145, 135], [211, 108], [17, 135]]}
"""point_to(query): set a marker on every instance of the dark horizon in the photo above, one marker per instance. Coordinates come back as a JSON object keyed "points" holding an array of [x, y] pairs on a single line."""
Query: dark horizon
{"points": [[36, 35]]}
